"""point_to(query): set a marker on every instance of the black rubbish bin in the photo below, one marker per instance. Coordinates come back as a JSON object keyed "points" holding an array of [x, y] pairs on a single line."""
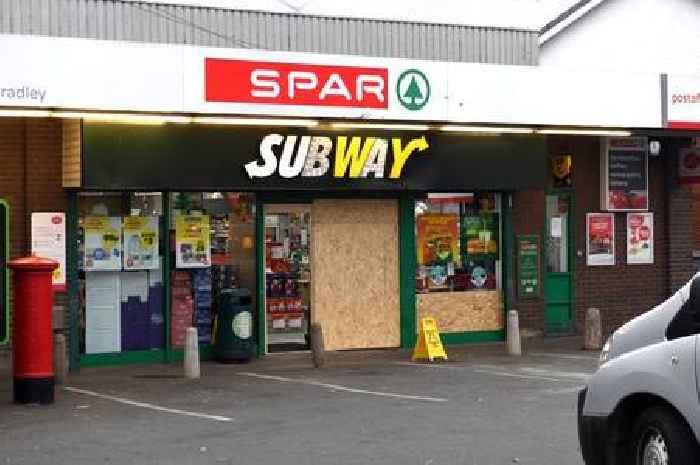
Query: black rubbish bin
{"points": [[235, 340]]}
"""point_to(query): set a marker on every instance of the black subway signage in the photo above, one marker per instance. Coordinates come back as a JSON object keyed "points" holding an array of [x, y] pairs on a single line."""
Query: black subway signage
{"points": [[340, 156]]}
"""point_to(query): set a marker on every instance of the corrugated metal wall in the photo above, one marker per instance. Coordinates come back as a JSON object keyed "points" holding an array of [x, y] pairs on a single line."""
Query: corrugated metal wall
{"points": [[148, 22]]}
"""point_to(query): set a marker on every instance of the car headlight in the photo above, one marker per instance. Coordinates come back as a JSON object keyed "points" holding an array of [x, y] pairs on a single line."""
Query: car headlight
{"points": [[605, 353]]}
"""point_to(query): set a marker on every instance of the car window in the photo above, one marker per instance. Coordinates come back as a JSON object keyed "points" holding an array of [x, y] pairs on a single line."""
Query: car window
{"points": [[687, 320]]}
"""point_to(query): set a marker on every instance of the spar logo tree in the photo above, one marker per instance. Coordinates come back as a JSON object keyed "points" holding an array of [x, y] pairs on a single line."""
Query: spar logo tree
{"points": [[413, 89]]}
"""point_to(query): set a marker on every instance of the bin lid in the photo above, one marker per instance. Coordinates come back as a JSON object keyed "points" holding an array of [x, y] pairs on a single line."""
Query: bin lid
{"points": [[33, 263]]}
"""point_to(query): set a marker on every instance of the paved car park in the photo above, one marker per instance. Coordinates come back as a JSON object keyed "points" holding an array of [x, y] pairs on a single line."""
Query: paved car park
{"points": [[481, 407]]}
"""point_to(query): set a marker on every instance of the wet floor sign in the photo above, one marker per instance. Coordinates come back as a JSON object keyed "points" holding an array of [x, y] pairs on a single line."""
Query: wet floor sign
{"points": [[429, 346]]}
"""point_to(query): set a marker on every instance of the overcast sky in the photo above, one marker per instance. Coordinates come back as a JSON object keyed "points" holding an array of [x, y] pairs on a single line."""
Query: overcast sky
{"points": [[528, 14]]}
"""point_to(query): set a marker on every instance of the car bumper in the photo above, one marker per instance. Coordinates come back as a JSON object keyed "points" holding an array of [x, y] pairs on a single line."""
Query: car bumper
{"points": [[592, 434]]}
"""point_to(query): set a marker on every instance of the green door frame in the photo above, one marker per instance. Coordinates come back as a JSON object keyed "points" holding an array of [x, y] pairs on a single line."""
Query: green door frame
{"points": [[571, 257]]}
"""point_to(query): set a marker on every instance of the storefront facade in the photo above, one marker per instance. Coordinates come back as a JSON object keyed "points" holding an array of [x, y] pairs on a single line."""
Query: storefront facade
{"points": [[361, 194]]}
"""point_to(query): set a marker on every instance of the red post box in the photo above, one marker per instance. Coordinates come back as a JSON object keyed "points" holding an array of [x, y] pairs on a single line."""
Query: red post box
{"points": [[32, 330]]}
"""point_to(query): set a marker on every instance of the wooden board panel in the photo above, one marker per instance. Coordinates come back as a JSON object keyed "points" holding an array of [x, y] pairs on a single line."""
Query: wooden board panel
{"points": [[462, 311], [71, 153], [355, 272]]}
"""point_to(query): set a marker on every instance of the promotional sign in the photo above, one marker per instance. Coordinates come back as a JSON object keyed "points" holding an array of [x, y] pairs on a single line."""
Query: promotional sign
{"points": [[429, 345], [683, 102], [689, 165], [528, 266], [624, 176], [192, 241], [480, 234], [49, 241], [279, 159], [140, 243], [103, 243], [437, 237], [600, 239], [640, 238]]}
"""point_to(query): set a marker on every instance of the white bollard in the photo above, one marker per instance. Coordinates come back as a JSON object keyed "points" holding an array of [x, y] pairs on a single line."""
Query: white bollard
{"points": [[593, 337], [513, 333], [191, 354]]}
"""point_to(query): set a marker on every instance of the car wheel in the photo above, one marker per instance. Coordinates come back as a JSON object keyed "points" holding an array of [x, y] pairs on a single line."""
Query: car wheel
{"points": [[661, 437]]}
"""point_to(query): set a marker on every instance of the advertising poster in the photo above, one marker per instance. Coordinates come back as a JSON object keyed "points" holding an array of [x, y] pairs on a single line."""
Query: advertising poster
{"points": [[625, 179], [600, 239], [140, 242], [49, 241], [480, 234], [438, 248], [689, 165], [528, 266], [640, 238], [192, 241], [103, 243]]}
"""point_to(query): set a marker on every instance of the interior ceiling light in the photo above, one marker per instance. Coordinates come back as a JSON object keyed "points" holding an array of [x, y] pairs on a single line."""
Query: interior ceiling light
{"points": [[486, 129], [586, 132], [24, 113], [254, 121], [397, 127]]}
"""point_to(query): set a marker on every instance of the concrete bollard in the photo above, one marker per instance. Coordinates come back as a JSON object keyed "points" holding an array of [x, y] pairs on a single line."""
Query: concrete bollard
{"points": [[191, 354], [513, 333], [318, 352], [593, 332], [60, 359]]}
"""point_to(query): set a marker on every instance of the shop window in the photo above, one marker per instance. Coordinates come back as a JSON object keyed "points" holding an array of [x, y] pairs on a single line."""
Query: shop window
{"points": [[122, 241], [120, 256], [213, 242], [458, 242]]}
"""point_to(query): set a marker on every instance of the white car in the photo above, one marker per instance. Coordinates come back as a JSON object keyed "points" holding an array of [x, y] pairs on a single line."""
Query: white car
{"points": [[642, 405]]}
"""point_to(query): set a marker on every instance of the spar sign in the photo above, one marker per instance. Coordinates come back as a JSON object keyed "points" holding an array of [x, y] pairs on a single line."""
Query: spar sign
{"points": [[245, 81]]}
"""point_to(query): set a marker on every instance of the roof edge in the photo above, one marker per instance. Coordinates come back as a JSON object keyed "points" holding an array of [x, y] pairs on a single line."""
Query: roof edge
{"points": [[568, 17]]}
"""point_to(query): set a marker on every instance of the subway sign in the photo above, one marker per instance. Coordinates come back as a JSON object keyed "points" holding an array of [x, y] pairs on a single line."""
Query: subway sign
{"points": [[341, 156]]}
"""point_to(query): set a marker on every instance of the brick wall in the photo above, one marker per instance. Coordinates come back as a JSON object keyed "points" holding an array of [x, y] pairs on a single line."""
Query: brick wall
{"points": [[528, 218], [30, 176], [621, 291]]}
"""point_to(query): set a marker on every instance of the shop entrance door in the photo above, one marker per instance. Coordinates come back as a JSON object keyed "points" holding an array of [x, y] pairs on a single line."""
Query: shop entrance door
{"points": [[287, 276], [558, 287]]}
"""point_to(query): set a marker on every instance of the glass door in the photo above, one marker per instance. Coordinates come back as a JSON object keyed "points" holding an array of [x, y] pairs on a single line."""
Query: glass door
{"points": [[558, 262], [287, 276]]}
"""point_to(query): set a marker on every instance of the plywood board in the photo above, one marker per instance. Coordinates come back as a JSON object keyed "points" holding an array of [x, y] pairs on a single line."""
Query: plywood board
{"points": [[355, 272], [462, 311]]}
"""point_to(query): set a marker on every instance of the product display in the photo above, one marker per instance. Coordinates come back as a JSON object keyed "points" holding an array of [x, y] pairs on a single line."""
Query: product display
{"points": [[287, 280]]}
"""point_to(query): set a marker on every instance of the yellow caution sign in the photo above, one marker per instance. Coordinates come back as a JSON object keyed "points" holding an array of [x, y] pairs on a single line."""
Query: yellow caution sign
{"points": [[429, 346]]}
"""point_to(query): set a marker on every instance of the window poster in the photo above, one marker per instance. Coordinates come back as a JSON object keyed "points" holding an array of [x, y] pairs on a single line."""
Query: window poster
{"points": [[480, 234], [438, 247], [49, 241], [192, 241], [640, 238], [625, 178], [600, 239], [103, 243], [140, 242]]}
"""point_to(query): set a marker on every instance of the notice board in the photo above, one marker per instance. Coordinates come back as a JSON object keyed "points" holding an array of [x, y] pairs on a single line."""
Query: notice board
{"points": [[528, 274]]}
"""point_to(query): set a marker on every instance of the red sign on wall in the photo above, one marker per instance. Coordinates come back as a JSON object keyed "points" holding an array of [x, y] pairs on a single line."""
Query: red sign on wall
{"points": [[262, 82]]}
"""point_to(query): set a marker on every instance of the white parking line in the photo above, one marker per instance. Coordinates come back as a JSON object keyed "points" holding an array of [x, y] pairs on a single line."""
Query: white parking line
{"points": [[337, 387], [564, 356], [496, 370], [556, 373], [146, 405]]}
